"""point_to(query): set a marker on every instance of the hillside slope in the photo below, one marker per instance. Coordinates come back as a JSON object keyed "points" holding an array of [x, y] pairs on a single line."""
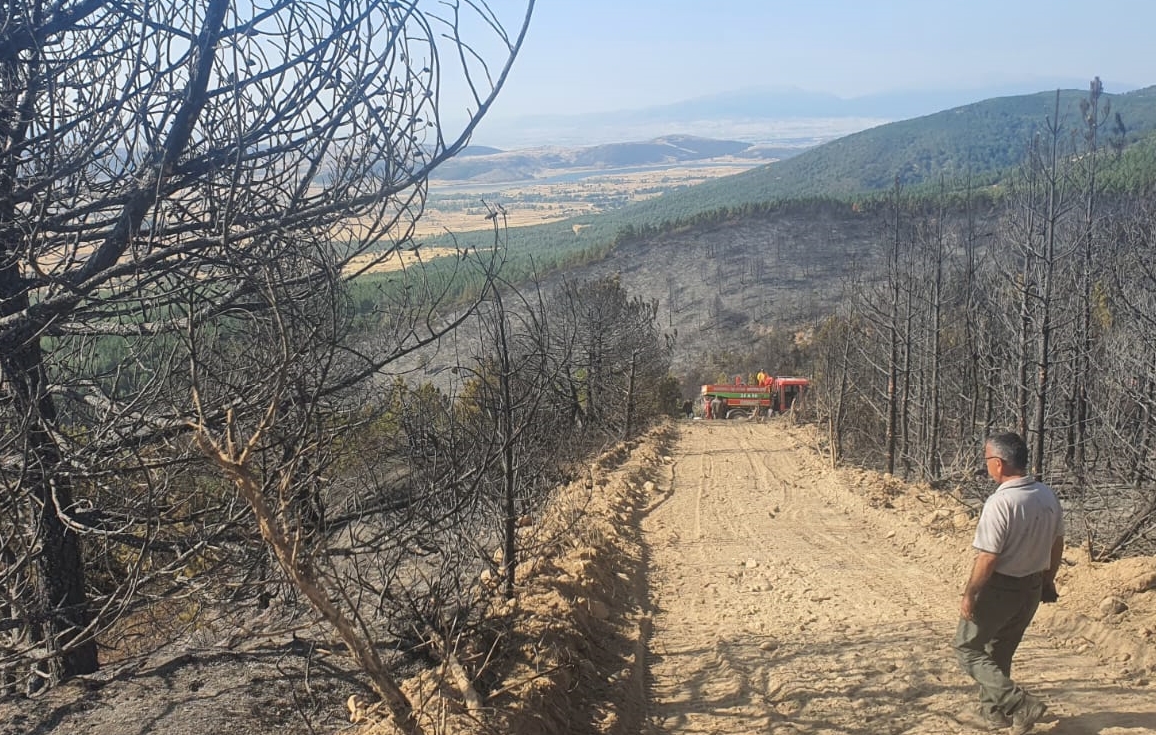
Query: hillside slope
{"points": [[722, 286], [981, 138], [983, 142]]}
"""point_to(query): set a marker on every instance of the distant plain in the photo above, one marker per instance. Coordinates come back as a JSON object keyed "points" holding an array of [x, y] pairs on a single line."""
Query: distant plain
{"points": [[462, 206]]}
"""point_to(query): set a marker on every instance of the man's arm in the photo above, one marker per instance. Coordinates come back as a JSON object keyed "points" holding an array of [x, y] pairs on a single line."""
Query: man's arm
{"points": [[1057, 557], [981, 572], [1048, 593]]}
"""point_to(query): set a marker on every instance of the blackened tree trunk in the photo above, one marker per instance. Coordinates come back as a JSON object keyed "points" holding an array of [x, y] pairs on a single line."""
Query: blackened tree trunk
{"points": [[58, 595], [58, 587], [1093, 118], [936, 320], [1054, 203], [893, 338]]}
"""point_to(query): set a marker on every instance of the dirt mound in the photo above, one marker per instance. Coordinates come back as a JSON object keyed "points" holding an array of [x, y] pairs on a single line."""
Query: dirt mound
{"points": [[576, 663], [582, 664]]}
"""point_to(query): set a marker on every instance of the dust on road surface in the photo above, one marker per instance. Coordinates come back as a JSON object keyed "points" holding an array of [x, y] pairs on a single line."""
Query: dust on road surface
{"points": [[784, 602]]}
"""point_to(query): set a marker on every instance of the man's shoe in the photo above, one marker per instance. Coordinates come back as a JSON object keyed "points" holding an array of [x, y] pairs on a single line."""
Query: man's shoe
{"points": [[1027, 715], [993, 719]]}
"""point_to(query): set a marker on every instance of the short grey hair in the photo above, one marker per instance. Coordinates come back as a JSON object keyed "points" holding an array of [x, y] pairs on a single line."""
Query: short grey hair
{"points": [[1011, 448]]}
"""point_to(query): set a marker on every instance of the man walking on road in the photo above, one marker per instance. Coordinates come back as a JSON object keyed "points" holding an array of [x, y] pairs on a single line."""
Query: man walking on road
{"points": [[1019, 542]]}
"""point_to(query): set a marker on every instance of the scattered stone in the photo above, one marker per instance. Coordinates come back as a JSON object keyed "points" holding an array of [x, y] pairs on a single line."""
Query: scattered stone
{"points": [[936, 516], [356, 706], [596, 608], [649, 486], [750, 563], [1112, 606]]}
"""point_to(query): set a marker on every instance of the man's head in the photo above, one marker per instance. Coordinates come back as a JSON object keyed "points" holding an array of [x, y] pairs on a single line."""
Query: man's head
{"points": [[1006, 456]]}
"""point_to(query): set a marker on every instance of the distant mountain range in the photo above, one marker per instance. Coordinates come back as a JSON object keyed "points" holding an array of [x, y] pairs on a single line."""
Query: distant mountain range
{"points": [[772, 125], [980, 140], [764, 115], [799, 103]]}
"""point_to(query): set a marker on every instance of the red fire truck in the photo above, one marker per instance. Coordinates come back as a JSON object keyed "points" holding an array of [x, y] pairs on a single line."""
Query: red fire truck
{"points": [[740, 400]]}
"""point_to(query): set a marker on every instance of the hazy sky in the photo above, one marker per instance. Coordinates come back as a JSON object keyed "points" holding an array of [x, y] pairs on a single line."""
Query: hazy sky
{"points": [[602, 55]]}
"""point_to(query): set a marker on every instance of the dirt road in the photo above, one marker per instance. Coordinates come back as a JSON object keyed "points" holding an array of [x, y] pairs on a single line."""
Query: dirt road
{"points": [[785, 602]]}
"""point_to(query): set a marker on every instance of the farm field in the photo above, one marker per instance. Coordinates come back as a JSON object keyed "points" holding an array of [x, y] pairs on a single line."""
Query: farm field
{"points": [[462, 206]]}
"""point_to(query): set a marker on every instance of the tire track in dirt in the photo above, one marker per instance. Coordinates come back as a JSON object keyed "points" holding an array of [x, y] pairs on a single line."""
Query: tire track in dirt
{"points": [[780, 606]]}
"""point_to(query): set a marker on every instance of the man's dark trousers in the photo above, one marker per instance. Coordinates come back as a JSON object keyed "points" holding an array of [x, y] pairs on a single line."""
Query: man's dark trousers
{"points": [[985, 646]]}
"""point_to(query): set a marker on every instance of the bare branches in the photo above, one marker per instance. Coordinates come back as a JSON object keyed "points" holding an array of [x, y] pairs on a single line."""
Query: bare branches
{"points": [[234, 459], [187, 192]]}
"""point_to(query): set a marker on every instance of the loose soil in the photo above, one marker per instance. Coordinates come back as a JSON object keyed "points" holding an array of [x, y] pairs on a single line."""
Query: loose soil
{"points": [[790, 598]]}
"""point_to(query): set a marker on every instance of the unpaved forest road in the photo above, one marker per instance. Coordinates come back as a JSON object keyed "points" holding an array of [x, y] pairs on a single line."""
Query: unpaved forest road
{"points": [[783, 603]]}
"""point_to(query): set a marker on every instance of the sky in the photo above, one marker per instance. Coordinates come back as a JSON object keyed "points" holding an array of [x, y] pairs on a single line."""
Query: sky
{"points": [[606, 55]]}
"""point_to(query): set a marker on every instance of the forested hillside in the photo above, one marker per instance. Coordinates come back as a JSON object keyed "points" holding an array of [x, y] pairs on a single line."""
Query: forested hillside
{"points": [[982, 140]]}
